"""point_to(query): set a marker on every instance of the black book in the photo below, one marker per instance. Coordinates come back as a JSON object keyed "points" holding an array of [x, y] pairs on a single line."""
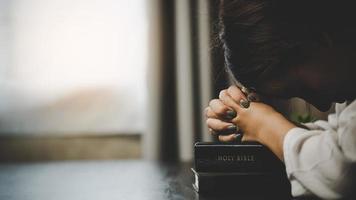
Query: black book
{"points": [[235, 157], [241, 184]]}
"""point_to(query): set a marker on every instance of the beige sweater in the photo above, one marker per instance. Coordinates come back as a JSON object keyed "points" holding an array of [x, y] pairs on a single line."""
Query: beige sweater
{"points": [[320, 161]]}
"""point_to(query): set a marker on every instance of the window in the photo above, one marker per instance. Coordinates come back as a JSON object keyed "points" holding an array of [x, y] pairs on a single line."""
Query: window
{"points": [[72, 66]]}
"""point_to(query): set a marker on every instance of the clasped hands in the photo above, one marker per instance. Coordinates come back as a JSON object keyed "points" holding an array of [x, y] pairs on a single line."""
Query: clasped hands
{"points": [[259, 122]]}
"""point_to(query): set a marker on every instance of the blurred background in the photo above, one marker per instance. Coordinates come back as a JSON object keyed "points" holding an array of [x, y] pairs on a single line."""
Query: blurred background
{"points": [[108, 79]]}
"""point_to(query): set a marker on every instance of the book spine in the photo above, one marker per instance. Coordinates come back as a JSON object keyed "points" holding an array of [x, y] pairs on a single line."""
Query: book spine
{"points": [[230, 158]]}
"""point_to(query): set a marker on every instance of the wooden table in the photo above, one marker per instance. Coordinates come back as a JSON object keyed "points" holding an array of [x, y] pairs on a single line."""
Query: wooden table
{"points": [[99, 180]]}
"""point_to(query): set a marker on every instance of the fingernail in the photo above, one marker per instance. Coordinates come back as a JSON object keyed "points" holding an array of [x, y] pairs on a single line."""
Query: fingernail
{"points": [[238, 137], [228, 130], [244, 103], [230, 114], [231, 127]]}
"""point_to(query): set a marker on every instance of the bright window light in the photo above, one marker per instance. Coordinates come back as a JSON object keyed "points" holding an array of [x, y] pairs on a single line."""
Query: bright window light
{"points": [[72, 66]]}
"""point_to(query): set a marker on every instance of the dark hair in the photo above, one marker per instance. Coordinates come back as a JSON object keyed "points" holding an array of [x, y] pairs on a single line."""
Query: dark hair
{"points": [[267, 36]]}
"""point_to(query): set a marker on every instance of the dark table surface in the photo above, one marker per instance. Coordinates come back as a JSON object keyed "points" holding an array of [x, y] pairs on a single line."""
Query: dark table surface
{"points": [[99, 180]]}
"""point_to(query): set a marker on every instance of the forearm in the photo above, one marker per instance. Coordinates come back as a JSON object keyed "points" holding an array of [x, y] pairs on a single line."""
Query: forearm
{"points": [[273, 133]]}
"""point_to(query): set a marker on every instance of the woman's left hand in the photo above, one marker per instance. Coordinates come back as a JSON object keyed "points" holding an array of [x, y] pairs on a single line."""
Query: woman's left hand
{"points": [[259, 122], [252, 120]]}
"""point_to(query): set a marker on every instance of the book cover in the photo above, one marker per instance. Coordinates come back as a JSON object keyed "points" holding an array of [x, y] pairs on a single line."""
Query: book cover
{"points": [[235, 157]]}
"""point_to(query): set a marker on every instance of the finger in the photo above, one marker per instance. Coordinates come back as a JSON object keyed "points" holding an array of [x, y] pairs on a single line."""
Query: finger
{"points": [[210, 114], [228, 116], [227, 100], [238, 96], [221, 127], [212, 132], [228, 138], [236, 93], [220, 109]]}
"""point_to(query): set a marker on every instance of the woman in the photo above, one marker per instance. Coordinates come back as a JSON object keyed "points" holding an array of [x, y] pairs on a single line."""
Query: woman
{"points": [[286, 48]]}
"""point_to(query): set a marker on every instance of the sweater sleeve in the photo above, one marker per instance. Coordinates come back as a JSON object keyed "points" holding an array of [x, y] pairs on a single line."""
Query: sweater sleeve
{"points": [[316, 163]]}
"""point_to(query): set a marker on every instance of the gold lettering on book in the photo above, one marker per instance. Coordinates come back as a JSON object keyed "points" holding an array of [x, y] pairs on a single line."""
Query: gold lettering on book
{"points": [[231, 158]]}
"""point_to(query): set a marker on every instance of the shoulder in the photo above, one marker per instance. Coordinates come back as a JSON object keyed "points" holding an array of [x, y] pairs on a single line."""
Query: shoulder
{"points": [[346, 111]]}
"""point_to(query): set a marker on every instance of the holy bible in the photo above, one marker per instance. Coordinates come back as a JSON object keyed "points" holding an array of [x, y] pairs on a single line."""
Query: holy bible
{"points": [[238, 169], [235, 157]]}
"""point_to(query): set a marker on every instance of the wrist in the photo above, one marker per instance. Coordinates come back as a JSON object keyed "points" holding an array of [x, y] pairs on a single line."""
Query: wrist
{"points": [[273, 133]]}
